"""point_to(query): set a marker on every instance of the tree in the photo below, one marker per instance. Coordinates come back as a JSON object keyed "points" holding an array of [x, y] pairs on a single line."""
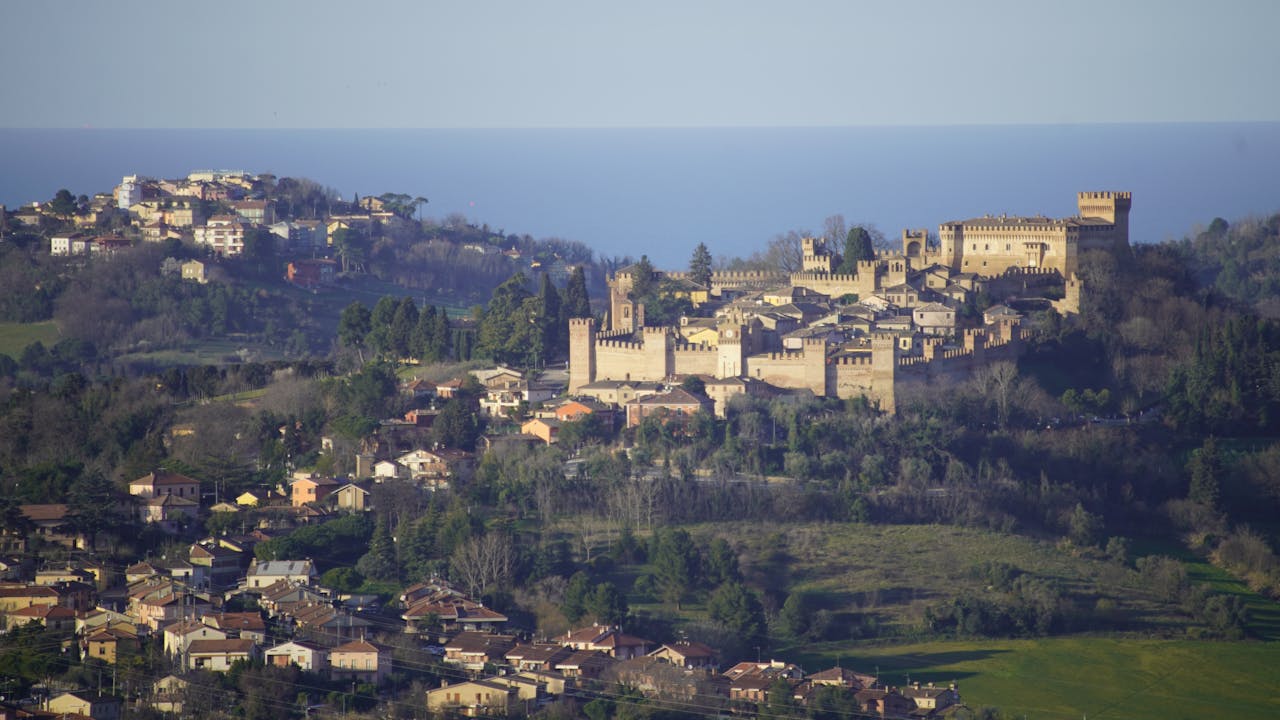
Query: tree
{"points": [[353, 327], [379, 338], [1205, 467], [738, 609], [576, 302], [577, 595], [795, 615], [721, 564], [607, 605], [380, 562], [63, 203], [483, 563], [403, 324], [700, 265], [548, 320], [642, 279], [675, 564], [857, 247], [456, 426], [91, 507]]}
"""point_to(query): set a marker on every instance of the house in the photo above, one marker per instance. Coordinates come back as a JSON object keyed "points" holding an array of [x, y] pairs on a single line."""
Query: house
{"points": [[657, 678], [451, 612], [219, 655], [350, 497], [440, 464], [929, 698], [311, 489], [16, 598], [885, 702], [168, 693], [88, 704], [62, 245], [677, 403], [750, 681], [474, 698], [584, 664], [537, 656], [390, 470], [257, 212], [53, 617], [162, 482], [327, 626], [545, 429], [360, 661], [238, 625], [999, 313], [934, 319], [268, 572], [311, 273], [109, 644], [252, 498], [686, 654], [179, 635], [307, 656], [609, 640], [49, 522], [472, 650], [221, 564], [843, 677], [170, 512], [225, 234], [195, 271]]}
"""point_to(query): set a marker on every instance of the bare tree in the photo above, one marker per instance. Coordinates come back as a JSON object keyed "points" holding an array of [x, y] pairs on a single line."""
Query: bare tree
{"points": [[483, 563], [999, 384]]}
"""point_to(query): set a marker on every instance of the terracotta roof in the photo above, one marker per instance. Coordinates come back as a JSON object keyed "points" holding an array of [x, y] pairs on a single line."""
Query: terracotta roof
{"points": [[356, 646], [161, 478], [44, 513], [215, 647]]}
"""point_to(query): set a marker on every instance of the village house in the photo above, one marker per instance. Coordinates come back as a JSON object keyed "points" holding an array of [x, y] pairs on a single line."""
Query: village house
{"points": [[220, 655], [311, 657], [609, 640], [311, 489], [168, 693], [86, 704], [266, 573], [49, 523], [670, 406], [224, 234], [162, 482], [238, 625], [686, 654], [53, 617], [473, 650], [221, 564], [360, 661], [351, 497], [170, 512], [545, 429], [109, 644], [179, 635], [474, 698], [195, 271], [537, 656]]}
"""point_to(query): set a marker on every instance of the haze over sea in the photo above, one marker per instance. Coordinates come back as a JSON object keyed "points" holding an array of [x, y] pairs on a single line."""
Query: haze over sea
{"points": [[660, 191]]}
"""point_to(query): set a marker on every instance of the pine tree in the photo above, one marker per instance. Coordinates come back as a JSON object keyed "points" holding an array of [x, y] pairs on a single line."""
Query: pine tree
{"points": [[549, 320], [576, 302], [380, 562], [403, 323], [700, 265]]}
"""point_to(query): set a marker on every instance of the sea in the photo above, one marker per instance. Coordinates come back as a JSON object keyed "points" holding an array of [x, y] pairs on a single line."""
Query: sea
{"points": [[659, 192]]}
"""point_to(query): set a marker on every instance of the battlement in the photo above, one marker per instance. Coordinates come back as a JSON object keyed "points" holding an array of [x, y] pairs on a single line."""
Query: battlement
{"points": [[620, 344], [798, 278], [689, 348], [850, 360], [1105, 195]]}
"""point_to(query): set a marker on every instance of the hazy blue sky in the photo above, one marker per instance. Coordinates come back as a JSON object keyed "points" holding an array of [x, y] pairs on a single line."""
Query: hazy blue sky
{"points": [[569, 63]]}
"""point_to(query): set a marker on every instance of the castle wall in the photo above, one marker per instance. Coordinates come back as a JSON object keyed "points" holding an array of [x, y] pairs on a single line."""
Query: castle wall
{"points": [[695, 360]]}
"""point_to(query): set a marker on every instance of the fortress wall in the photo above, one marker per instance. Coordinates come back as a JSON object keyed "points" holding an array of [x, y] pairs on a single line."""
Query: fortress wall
{"points": [[695, 360], [630, 361], [852, 379], [836, 285], [802, 370]]}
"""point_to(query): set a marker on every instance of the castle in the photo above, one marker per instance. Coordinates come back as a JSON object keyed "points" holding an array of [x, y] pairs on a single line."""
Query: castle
{"points": [[889, 327]]}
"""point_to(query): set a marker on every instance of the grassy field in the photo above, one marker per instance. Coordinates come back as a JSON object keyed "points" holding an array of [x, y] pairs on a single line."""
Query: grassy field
{"points": [[893, 572], [1085, 676], [14, 337], [207, 352]]}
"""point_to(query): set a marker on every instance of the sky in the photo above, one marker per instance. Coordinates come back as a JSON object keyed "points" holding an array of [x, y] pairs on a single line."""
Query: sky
{"points": [[644, 63]]}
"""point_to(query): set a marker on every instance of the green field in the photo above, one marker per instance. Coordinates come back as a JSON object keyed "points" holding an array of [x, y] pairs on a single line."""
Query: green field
{"points": [[1085, 677], [14, 337]]}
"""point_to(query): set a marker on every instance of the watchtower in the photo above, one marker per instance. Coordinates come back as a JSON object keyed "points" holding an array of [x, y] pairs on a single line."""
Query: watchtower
{"points": [[1110, 206], [582, 352]]}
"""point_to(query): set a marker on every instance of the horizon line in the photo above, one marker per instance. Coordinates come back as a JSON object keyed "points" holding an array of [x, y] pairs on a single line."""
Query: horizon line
{"points": [[867, 126]]}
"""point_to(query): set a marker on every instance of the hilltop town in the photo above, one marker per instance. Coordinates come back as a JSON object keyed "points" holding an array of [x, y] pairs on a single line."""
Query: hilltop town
{"points": [[711, 491], [895, 324]]}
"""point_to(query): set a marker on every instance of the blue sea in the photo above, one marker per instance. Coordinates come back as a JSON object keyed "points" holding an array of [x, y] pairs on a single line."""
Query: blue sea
{"points": [[660, 191]]}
